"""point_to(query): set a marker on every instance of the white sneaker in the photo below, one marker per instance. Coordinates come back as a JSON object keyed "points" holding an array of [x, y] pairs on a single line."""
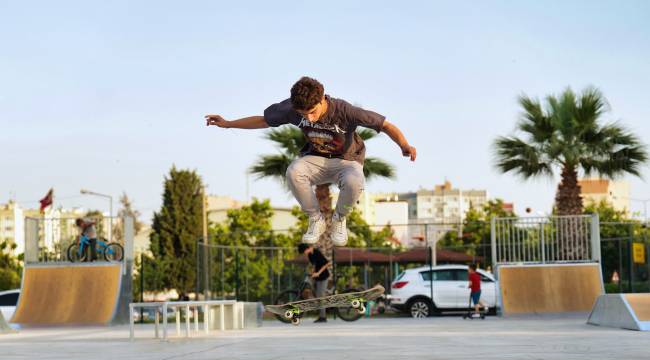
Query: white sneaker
{"points": [[339, 230], [316, 228]]}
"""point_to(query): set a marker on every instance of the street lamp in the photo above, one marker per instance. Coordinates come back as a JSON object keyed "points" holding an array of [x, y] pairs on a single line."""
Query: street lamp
{"points": [[110, 200]]}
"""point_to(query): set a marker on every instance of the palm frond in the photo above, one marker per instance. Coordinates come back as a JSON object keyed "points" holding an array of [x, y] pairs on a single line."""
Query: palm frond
{"points": [[274, 166], [375, 167], [516, 155], [566, 132], [534, 121], [366, 134], [591, 105], [289, 138]]}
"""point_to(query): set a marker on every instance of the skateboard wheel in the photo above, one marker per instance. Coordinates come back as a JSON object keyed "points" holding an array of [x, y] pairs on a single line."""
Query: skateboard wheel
{"points": [[356, 304], [295, 321], [361, 309], [288, 314]]}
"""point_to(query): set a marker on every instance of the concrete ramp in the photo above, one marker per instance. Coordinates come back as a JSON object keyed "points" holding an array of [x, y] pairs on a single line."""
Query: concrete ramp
{"points": [[625, 311], [64, 293], [554, 288], [4, 327]]}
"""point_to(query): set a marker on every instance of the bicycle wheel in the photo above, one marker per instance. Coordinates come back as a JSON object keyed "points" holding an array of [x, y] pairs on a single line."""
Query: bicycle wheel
{"points": [[113, 252], [348, 313], [285, 297], [74, 254]]}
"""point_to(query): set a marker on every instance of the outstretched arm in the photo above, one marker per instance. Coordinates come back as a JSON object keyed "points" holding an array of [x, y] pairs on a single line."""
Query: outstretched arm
{"points": [[397, 136], [251, 122]]}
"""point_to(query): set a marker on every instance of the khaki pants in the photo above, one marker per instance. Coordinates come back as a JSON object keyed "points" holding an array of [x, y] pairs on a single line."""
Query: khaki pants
{"points": [[308, 171]]}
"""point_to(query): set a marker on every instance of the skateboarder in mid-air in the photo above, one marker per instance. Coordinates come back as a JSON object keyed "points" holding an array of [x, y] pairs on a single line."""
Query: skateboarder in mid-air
{"points": [[334, 152], [320, 275]]}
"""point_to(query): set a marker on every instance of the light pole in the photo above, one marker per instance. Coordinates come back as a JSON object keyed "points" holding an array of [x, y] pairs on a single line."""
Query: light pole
{"points": [[110, 213]]}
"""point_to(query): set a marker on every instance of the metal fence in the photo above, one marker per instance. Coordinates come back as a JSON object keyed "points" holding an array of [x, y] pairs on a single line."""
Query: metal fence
{"points": [[48, 239], [554, 239], [258, 273], [625, 263]]}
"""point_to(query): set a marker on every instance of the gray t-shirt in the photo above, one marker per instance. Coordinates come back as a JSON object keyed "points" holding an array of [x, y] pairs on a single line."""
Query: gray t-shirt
{"points": [[334, 134]]}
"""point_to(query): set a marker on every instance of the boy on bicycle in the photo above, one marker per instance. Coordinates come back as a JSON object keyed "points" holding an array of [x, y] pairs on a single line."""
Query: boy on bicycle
{"points": [[320, 275], [88, 230]]}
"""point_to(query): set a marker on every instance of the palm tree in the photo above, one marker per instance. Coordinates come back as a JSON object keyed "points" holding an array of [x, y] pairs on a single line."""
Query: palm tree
{"points": [[290, 140], [567, 134]]}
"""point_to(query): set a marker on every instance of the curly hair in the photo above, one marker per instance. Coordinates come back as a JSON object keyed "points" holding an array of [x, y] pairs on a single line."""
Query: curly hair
{"points": [[306, 93]]}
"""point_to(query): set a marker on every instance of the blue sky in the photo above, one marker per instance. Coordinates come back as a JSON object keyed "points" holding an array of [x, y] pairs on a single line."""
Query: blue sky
{"points": [[108, 95]]}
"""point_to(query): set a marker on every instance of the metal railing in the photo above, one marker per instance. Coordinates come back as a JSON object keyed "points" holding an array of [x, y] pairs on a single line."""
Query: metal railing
{"points": [[554, 239], [189, 307]]}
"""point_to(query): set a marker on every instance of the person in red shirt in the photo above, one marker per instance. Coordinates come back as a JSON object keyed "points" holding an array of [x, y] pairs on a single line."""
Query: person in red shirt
{"points": [[475, 285]]}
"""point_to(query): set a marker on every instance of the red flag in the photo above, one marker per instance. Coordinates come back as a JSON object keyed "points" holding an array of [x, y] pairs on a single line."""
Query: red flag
{"points": [[47, 200]]}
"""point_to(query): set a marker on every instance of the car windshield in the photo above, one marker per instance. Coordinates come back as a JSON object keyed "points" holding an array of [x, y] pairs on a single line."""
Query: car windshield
{"points": [[401, 275], [9, 299]]}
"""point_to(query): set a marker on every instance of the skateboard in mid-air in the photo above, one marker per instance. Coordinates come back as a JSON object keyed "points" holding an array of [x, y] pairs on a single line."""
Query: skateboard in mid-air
{"points": [[296, 309]]}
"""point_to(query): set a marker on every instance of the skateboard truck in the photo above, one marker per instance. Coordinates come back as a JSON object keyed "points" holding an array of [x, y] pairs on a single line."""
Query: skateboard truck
{"points": [[358, 305], [294, 315]]}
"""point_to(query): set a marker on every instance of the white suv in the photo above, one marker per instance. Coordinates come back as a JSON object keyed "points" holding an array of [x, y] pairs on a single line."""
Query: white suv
{"points": [[8, 301], [411, 290]]}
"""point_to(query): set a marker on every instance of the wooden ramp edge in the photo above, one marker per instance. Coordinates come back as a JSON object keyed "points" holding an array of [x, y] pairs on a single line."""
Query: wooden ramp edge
{"points": [[625, 311], [72, 294], [557, 288], [640, 304]]}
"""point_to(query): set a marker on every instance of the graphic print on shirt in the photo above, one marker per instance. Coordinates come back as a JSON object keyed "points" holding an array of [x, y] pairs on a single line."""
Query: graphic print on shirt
{"points": [[324, 138]]}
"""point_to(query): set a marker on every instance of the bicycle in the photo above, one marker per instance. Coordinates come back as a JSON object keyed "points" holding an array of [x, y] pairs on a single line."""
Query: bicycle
{"points": [[112, 252], [305, 291]]}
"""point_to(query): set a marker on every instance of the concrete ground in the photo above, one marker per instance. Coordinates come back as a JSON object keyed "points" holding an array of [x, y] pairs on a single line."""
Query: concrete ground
{"points": [[377, 338]]}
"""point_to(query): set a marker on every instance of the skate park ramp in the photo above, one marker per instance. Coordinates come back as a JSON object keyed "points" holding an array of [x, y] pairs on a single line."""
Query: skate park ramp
{"points": [[4, 327], [68, 294], [625, 311], [555, 288]]}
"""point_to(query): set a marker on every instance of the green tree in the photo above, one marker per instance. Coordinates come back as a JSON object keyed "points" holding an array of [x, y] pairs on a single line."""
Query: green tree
{"points": [[617, 229], [253, 251], [567, 134], [176, 228], [475, 237], [10, 268], [290, 140]]}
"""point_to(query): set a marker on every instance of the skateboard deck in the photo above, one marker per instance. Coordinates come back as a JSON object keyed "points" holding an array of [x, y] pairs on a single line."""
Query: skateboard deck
{"points": [[294, 310]]}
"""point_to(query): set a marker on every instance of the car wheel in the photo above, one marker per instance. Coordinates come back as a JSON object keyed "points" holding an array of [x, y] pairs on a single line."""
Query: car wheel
{"points": [[420, 308]]}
